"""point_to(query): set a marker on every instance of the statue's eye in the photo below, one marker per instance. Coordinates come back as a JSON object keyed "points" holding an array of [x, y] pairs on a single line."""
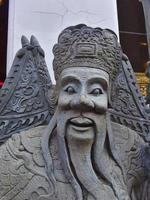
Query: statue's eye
{"points": [[97, 91], [70, 90]]}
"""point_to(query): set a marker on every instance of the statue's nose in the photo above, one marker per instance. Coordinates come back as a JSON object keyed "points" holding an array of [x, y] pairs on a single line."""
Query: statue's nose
{"points": [[82, 102]]}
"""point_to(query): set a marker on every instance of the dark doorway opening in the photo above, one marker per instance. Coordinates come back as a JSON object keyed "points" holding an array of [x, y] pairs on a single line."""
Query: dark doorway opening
{"points": [[133, 33], [4, 4]]}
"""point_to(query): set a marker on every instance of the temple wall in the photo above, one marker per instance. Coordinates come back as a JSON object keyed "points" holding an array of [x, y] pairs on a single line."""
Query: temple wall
{"points": [[45, 19]]}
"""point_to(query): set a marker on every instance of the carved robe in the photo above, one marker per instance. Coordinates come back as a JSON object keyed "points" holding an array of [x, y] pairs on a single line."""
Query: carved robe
{"points": [[23, 175]]}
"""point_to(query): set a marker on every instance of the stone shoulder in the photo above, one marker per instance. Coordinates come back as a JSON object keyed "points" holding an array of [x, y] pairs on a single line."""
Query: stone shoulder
{"points": [[22, 168], [127, 147], [126, 133]]}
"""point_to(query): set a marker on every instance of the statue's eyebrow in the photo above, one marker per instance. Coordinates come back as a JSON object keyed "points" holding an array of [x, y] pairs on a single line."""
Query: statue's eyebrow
{"points": [[100, 80], [69, 79]]}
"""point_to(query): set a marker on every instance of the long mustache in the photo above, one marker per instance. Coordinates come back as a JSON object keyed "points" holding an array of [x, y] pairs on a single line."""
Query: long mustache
{"points": [[106, 164], [46, 153], [59, 121], [61, 129]]}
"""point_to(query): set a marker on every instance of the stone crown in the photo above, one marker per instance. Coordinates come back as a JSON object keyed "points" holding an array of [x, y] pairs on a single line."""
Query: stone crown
{"points": [[84, 46]]}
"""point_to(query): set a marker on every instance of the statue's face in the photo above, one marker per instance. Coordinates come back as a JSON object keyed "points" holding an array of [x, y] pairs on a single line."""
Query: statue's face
{"points": [[83, 90], [80, 115]]}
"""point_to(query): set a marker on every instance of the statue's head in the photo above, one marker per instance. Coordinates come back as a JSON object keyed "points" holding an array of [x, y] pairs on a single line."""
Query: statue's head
{"points": [[86, 61]]}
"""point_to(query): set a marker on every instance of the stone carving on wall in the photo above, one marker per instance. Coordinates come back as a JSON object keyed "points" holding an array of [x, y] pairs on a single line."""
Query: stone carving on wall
{"points": [[85, 138]]}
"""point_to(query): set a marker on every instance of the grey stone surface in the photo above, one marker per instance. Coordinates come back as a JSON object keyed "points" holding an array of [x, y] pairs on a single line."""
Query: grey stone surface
{"points": [[96, 145], [23, 102]]}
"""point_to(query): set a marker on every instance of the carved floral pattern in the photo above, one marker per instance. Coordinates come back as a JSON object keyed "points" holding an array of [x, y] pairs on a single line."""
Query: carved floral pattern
{"points": [[24, 94], [128, 105]]}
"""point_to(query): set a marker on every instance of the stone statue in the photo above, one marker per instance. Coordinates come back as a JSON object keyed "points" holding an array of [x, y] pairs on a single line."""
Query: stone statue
{"points": [[87, 137]]}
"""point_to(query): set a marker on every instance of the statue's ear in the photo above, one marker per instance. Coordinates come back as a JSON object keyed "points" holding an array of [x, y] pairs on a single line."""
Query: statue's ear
{"points": [[23, 97], [127, 103]]}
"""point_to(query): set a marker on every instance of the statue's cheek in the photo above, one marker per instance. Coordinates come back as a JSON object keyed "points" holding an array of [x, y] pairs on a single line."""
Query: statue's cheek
{"points": [[100, 103], [64, 102]]}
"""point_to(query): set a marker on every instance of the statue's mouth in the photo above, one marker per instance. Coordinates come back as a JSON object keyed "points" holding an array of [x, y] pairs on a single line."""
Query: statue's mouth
{"points": [[81, 123]]}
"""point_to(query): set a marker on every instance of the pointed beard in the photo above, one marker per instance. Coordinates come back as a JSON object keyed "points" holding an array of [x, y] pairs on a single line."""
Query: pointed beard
{"points": [[75, 149]]}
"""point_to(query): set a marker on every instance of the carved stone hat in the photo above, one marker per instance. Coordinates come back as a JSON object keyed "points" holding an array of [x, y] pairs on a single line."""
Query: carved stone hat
{"points": [[84, 46]]}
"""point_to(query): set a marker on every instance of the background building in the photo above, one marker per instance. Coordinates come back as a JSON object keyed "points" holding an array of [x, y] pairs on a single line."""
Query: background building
{"points": [[133, 37]]}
